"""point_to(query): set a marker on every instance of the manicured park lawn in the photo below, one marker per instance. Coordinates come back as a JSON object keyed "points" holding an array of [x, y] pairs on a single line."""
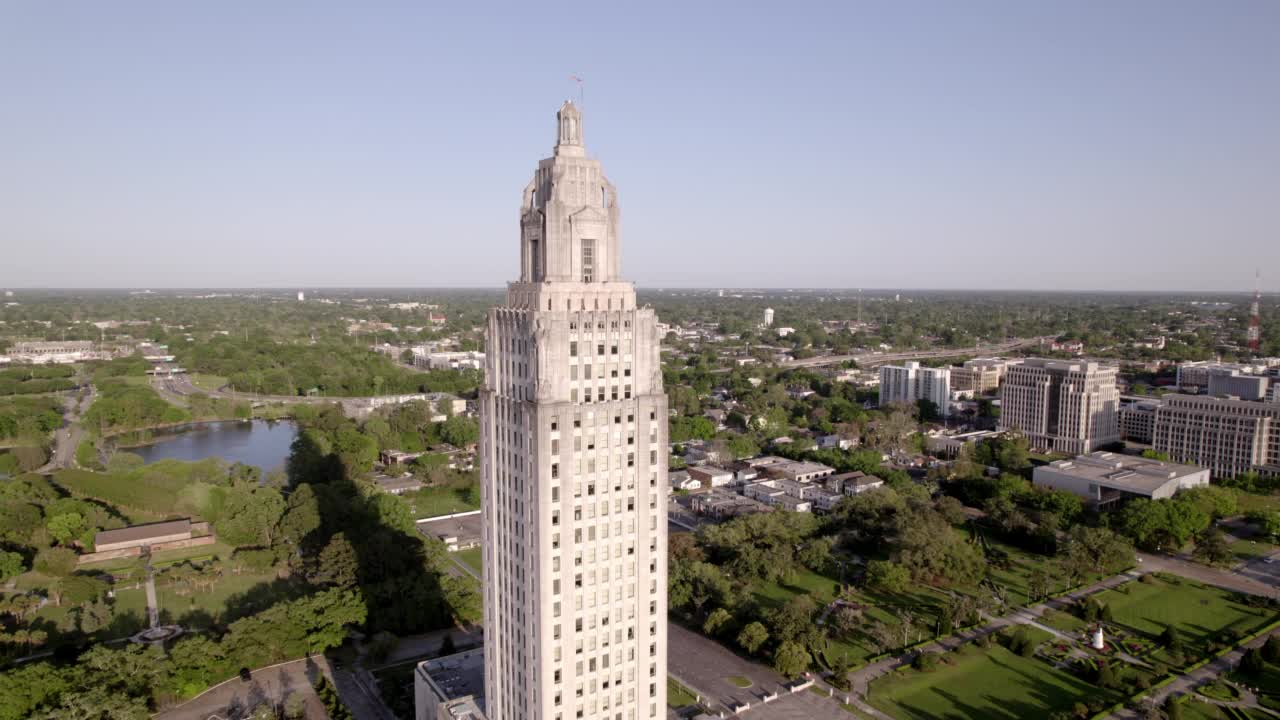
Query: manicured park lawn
{"points": [[473, 558], [1195, 710], [1015, 570], [1199, 612], [1064, 621], [678, 696], [433, 502], [994, 684]]}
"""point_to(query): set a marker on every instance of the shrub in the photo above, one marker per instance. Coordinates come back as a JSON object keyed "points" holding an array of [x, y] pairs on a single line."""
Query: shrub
{"points": [[925, 661]]}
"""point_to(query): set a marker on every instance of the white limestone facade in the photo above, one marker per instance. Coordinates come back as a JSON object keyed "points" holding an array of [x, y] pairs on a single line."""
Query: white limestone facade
{"points": [[573, 465]]}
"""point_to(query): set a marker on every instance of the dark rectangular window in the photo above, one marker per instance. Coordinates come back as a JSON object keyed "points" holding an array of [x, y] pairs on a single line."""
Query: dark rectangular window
{"points": [[588, 260]]}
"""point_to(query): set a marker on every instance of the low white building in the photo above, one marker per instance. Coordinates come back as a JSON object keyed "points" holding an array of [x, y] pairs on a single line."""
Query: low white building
{"points": [[853, 483], [450, 688], [468, 360], [710, 476], [1105, 477]]}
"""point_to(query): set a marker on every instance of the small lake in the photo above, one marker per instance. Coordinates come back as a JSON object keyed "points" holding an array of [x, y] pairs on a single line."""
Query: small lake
{"points": [[264, 443]]}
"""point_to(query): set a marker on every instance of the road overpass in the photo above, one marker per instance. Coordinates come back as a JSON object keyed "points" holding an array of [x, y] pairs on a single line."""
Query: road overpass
{"points": [[874, 359]]}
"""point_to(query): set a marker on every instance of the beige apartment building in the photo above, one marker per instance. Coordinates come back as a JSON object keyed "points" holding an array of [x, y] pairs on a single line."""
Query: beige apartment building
{"points": [[980, 375], [1068, 406], [573, 465], [1227, 435]]}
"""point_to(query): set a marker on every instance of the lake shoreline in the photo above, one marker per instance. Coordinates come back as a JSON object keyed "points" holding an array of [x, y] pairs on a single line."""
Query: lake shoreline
{"points": [[261, 443]]}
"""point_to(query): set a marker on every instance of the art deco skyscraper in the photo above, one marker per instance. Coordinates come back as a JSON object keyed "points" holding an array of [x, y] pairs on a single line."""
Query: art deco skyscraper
{"points": [[573, 465]]}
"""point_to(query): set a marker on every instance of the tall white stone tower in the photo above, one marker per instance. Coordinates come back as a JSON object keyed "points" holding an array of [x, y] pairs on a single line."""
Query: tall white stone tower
{"points": [[573, 465]]}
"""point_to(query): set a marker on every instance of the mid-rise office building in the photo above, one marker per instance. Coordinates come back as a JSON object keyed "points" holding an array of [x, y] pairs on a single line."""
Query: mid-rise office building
{"points": [[1227, 435], [1069, 406], [573, 465], [1237, 384], [980, 375], [1138, 419], [1194, 376], [910, 382]]}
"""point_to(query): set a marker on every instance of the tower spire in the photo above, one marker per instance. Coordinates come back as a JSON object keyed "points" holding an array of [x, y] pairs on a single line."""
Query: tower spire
{"points": [[1254, 335], [569, 137]]}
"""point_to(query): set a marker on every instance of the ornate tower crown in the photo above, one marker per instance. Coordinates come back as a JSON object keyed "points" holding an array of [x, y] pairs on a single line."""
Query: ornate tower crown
{"points": [[569, 139]]}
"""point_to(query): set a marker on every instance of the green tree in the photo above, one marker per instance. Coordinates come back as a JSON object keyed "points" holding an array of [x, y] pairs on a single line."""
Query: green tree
{"points": [[752, 637], [57, 561], [66, 527], [1271, 649], [790, 620], [460, 431], [716, 621], [1252, 663], [1172, 640], [250, 516], [1095, 551], [1212, 548], [11, 565], [338, 564], [791, 659], [301, 515], [888, 576]]}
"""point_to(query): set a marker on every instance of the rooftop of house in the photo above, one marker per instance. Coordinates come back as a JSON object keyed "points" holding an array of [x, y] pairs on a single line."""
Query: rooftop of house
{"points": [[856, 478]]}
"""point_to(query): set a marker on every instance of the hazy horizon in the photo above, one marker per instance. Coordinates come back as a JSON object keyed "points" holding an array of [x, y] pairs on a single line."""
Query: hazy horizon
{"points": [[1067, 147]]}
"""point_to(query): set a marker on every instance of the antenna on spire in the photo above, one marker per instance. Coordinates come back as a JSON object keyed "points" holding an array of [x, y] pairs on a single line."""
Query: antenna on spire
{"points": [[1254, 333], [582, 101]]}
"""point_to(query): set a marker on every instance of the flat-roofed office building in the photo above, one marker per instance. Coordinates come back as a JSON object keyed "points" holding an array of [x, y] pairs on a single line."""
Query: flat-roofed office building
{"points": [[1227, 435], [1104, 477], [1069, 406]]}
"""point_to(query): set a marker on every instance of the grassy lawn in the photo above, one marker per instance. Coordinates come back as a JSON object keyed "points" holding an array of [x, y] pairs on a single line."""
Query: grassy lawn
{"points": [[213, 602], [1192, 709], [992, 683], [1064, 621], [207, 382], [1199, 612], [433, 502], [738, 681], [472, 558], [1015, 570], [1250, 549], [129, 608], [679, 696]]}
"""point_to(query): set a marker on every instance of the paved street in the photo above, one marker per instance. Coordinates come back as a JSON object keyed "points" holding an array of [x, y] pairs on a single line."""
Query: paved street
{"points": [[706, 666], [1255, 578], [235, 698]]}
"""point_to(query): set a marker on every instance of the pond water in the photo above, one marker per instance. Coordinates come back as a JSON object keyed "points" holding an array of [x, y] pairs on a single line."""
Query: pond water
{"points": [[263, 443]]}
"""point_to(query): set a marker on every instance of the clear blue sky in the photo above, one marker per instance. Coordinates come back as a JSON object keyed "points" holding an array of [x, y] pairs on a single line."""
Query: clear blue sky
{"points": [[1090, 144]]}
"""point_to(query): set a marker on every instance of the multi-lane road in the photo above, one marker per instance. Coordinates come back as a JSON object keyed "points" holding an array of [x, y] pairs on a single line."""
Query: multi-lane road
{"points": [[67, 438], [872, 359]]}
